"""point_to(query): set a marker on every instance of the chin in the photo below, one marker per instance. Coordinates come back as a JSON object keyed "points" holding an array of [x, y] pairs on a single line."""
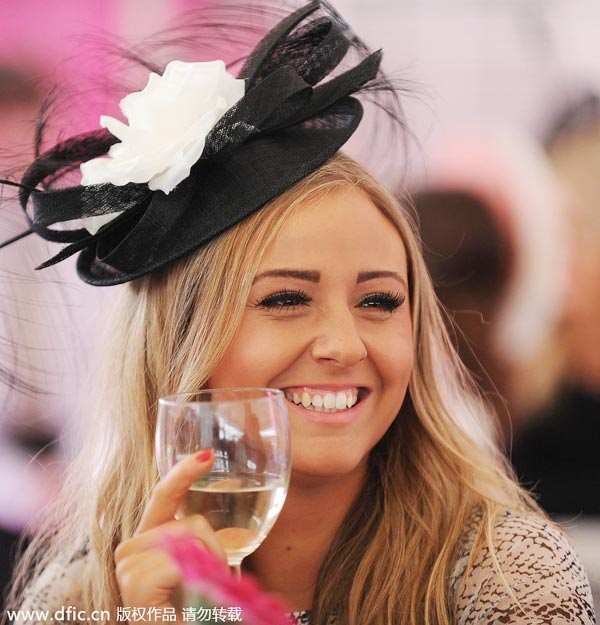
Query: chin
{"points": [[331, 464]]}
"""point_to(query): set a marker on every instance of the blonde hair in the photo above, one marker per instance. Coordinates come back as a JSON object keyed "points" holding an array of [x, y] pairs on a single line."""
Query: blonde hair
{"points": [[434, 470]]}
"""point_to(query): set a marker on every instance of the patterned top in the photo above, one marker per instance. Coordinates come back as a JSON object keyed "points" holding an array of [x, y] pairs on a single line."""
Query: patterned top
{"points": [[545, 580]]}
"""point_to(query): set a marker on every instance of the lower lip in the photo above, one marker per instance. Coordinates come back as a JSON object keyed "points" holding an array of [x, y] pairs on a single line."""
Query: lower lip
{"points": [[342, 417]]}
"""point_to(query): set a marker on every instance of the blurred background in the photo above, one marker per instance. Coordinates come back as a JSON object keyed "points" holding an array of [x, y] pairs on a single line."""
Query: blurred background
{"points": [[504, 169]]}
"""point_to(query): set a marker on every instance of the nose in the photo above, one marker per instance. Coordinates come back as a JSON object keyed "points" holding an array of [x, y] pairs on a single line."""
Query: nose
{"points": [[338, 340]]}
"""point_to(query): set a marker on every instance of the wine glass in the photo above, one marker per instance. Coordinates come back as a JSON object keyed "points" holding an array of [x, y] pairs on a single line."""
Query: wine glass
{"points": [[247, 430]]}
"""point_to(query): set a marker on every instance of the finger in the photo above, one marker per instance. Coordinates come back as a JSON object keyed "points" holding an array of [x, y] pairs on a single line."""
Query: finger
{"points": [[196, 525], [147, 578], [168, 493]]}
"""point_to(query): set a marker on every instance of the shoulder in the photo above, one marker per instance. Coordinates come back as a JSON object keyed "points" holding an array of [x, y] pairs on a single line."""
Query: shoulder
{"points": [[532, 571], [58, 585]]}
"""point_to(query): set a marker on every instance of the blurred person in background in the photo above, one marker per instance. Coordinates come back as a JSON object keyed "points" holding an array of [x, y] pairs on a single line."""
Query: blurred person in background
{"points": [[559, 452], [46, 323], [495, 243], [26, 432], [43, 344], [513, 245]]}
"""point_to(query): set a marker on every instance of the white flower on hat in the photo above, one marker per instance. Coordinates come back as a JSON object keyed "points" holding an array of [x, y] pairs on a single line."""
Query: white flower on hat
{"points": [[168, 124]]}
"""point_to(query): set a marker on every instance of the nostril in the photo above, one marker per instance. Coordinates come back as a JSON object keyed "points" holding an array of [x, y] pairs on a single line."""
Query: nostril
{"points": [[347, 350]]}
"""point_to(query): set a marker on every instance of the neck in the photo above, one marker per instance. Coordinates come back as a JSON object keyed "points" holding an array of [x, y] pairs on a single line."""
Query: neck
{"points": [[289, 559]]}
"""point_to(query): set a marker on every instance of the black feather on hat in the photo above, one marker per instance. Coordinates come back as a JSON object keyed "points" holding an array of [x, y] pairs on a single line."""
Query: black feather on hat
{"points": [[287, 124]]}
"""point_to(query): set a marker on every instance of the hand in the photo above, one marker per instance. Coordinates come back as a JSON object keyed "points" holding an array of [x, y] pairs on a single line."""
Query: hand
{"points": [[146, 574]]}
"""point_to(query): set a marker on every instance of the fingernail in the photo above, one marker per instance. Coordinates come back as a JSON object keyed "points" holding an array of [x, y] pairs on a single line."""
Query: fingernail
{"points": [[204, 456]]}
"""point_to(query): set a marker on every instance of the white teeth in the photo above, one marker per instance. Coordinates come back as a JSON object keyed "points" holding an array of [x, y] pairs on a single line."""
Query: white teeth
{"points": [[328, 402]]}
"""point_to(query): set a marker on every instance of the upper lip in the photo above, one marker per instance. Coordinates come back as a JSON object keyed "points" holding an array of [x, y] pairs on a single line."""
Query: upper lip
{"points": [[326, 387]]}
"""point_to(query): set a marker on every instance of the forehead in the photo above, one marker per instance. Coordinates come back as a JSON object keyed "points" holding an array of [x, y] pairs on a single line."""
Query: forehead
{"points": [[343, 225]]}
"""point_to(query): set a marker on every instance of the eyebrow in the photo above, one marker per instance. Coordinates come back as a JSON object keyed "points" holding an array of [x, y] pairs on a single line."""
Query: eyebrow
{"points": [[310, 276], [315, 276], [364, 276]]}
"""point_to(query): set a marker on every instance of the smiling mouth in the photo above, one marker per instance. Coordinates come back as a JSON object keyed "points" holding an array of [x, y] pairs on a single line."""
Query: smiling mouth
{"points": [[320, 400]]}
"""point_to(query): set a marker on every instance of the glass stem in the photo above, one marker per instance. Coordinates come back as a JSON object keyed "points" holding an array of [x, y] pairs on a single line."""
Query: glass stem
{"points": [[237, 570]]}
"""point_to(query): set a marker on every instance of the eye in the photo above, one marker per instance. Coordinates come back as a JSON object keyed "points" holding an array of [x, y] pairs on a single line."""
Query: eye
{"points": [[283, 300], [384, 302]]}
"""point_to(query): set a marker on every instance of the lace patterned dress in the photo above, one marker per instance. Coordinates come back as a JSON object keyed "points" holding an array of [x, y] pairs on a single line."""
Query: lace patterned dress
{"points": [[540, 567]]}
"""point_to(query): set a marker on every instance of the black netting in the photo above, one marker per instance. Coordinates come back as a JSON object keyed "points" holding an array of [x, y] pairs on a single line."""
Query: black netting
{"points": [[313, 51]]}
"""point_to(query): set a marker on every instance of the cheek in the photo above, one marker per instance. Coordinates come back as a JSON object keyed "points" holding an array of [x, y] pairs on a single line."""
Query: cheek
{"points": [[395, 382], [396, 372], [401, 359], [393, 355], [395, 366], [256, 355]]}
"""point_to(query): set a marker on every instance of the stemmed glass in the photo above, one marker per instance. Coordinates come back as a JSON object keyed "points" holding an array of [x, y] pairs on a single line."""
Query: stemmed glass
{"points": [[247, 430]]}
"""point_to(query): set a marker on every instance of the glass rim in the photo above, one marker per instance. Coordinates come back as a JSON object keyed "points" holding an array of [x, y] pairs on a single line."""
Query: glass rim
{"points": [[175, 399]]}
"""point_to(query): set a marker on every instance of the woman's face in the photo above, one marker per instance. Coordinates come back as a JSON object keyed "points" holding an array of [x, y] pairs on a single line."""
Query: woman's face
{"points": [[328, 322]]}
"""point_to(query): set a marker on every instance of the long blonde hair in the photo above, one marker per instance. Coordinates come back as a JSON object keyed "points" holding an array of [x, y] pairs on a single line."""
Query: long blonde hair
{"points": [[431, 473]]}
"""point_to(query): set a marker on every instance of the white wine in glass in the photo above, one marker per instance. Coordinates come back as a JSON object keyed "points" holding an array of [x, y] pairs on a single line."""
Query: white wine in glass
{"points": [[247, 430]]}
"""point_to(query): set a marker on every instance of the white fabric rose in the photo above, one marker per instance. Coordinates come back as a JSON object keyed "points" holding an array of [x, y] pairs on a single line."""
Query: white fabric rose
{"points": [[168, 124]]}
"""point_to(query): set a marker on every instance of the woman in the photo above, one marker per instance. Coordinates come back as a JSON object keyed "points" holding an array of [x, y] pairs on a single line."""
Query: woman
{"points": [[400, 510]]}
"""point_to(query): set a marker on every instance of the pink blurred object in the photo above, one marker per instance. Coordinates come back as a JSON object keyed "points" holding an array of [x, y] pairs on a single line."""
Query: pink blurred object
{"points": [[46, 40], [41, 31], [211, 580]]}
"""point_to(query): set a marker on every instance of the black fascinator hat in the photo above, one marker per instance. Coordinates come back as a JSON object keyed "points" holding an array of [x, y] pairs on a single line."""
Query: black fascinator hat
{"points": [[287, 120]]}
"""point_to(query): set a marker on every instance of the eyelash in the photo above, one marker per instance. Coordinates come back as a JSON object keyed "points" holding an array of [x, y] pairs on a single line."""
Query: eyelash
{"points": [[387, 302], [291, 300], [284, 300]]}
